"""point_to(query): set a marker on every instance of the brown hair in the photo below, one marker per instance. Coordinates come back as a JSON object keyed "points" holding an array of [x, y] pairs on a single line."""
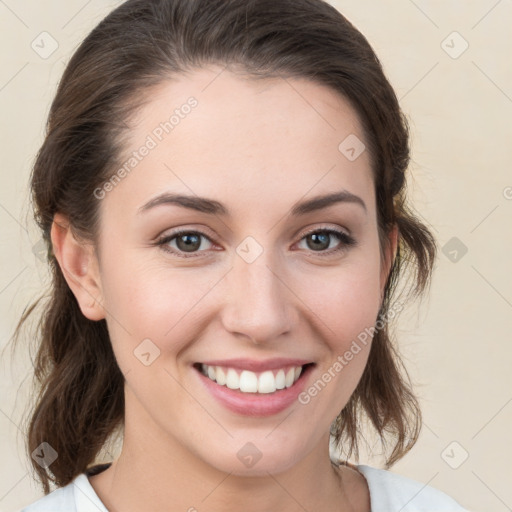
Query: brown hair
{"points": [[80, 399]]}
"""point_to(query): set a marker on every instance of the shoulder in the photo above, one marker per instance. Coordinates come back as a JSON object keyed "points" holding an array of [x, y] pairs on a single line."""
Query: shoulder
{"points": [[390, 492], [77, 496], [61, 499]]}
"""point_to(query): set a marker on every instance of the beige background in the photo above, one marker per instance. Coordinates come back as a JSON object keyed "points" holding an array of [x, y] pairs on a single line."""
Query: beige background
{"points": [[457, 343]]}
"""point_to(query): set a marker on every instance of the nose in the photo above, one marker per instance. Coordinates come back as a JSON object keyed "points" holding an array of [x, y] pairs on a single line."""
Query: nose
{"points": [[257, 301]]}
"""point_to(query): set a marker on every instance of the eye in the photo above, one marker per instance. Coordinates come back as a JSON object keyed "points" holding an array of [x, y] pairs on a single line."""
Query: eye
{"points": [[186, 242], [320, 239]]}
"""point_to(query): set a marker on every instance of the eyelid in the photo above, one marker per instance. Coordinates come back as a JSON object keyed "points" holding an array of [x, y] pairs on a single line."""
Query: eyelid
{"points": [[346, 240], [163, 240], [344, 236], [326, 227]]}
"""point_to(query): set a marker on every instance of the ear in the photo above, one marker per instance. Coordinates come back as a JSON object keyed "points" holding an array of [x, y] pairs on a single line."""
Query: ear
{"points": [[389, 258], [79, 266]]}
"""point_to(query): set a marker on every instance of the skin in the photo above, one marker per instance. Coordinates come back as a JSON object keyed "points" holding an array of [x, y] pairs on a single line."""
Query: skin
{"points": [[258, 147]]}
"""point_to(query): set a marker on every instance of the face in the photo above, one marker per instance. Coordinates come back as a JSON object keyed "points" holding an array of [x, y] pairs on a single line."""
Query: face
{"points": [[253, 283]]}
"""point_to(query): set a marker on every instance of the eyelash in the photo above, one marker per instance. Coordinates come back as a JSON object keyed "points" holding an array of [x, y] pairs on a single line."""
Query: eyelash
{"points": [[346, 241]]}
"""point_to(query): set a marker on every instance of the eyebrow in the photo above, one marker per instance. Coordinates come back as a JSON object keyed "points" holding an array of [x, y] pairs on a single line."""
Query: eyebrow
{"points": [[212, 207]]}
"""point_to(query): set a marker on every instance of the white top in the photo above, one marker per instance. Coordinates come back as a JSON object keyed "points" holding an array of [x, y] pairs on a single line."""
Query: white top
{"points": [[389, 492]]}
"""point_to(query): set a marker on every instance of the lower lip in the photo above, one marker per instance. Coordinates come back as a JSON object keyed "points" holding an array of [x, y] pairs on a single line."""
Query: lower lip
{"points": [[255, 404]]}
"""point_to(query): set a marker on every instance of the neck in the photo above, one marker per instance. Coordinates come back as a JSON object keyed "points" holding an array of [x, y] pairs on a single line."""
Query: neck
{"points": [[156, 472], [133, 483]]}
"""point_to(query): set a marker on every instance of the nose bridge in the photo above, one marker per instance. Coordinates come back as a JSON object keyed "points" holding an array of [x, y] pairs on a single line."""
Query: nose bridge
{"points": [[258, 300]]}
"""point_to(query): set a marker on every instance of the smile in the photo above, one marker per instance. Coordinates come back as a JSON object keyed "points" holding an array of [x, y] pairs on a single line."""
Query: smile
{"points": [[248, 381], [254, 388]]}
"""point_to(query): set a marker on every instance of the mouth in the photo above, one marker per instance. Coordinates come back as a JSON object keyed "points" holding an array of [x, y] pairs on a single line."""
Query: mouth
{"points": [[247, 382]]}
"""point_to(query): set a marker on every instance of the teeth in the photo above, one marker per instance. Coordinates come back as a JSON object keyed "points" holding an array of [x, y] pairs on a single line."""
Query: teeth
{"points": [[250, 382], [220, 376], [289, 377], [232, 379], [280, 380], [266, 382]]}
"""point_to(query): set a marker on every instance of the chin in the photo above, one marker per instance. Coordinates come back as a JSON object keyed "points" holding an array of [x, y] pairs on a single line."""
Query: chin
{"points": [[254, 457]]}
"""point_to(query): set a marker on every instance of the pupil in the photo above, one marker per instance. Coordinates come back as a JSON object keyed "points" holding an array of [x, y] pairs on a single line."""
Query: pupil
{"points": [[319, 237], [188, 244]]}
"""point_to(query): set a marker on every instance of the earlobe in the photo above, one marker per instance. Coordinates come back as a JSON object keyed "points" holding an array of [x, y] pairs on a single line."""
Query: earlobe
{"points": [[79, 266]]}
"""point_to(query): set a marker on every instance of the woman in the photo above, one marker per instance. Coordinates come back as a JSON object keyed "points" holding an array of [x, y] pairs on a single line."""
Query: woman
{"points": [[222, 192]]}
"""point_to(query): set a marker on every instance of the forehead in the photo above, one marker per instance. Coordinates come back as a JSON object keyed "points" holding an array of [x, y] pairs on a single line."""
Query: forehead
{"points": [[211, 132]]}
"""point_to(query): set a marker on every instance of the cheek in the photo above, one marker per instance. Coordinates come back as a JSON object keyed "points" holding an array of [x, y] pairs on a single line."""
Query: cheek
{"points": [[148, 301], [346, 298], [346, 302], [352, 304], [347, 309]]}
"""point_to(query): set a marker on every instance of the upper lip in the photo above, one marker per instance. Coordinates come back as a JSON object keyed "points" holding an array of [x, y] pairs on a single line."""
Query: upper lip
{"points": [[255, 365]]}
